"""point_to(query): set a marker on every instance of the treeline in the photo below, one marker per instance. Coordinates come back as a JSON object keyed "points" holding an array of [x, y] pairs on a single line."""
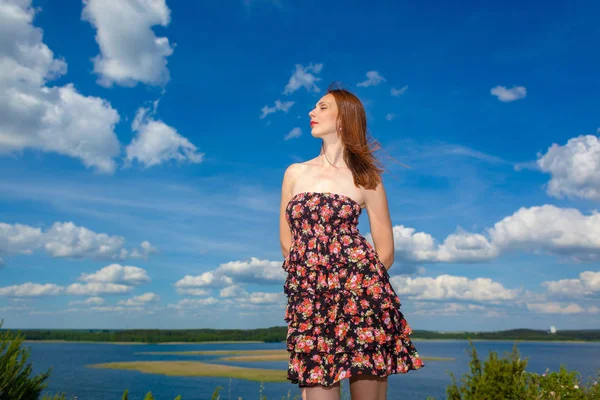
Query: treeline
{"points": [[273, 334], [513, 334], [277, 334]]}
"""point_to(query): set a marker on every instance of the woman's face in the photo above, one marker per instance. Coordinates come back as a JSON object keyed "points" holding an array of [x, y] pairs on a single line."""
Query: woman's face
{"points": [[323, 118]]}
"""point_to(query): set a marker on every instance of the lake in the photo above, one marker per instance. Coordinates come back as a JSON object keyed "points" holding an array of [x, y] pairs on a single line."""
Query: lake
{"points": [[70, 375]]}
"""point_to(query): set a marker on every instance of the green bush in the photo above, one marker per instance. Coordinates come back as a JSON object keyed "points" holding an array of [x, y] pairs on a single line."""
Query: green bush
{"points": [[506, 379], [16, 382]]}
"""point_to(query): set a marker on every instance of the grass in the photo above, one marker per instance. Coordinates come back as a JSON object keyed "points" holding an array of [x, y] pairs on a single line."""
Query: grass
{"points": [[196, 368]]}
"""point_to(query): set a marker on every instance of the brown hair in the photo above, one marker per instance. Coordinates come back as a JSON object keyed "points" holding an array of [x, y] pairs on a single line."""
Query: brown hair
{"points": [[358, 147]]}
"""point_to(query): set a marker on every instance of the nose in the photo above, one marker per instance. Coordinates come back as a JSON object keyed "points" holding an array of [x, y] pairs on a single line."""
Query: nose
{"points": [[311, 113]]}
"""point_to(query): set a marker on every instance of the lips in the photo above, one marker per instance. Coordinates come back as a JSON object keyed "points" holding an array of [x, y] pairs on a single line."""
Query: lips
{"points": [[312, 123]]}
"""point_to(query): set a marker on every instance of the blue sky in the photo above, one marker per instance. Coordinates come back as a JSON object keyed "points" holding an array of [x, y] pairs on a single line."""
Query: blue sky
{"points": [[142, 147]]}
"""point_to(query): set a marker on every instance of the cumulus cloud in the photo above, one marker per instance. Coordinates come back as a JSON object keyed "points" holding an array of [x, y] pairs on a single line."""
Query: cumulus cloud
{"points": [[97, 288], [574, 168], [207, 279], [130, 52], [294, 133], [141, 300], [65, 239], [588, 284], [50, 119], [96, 301], [115, 273], [452, 287], [555, 308], [564, 232], [398, 92], [30, 289], [233, 291], [156, 142], [411, 246], [450, 309], [254, 270], [194, 303], [560, 231], [507, 95], [373, 79], [144, 251], [305, 77], [279, 106]]}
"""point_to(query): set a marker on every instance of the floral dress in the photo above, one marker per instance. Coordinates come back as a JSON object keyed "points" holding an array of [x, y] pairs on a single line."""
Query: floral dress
{"points": [[343, 315]]}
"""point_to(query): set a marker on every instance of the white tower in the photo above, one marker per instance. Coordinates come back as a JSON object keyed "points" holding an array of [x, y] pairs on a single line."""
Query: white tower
{"points": [[552, 329]]}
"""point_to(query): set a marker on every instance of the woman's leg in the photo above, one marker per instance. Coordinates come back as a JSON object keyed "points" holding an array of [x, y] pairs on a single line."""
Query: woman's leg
{"points": [[368, 387], [321, 392]]}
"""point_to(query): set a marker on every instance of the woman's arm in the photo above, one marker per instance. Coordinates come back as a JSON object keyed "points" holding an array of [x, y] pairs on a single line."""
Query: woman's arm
{"points": [[380, 223], [285, 233]]}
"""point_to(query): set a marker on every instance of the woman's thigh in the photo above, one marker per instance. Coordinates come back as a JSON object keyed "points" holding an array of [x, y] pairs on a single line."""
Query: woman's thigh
{"points": [[368, 387], [321, 392]]}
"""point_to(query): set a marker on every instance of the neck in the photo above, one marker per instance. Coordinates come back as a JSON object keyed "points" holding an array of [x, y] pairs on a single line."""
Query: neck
{"points": [[332, 153]]}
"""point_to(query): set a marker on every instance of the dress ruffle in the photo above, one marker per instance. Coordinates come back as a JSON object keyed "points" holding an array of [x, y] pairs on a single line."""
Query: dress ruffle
{"points": [[343, 315]]}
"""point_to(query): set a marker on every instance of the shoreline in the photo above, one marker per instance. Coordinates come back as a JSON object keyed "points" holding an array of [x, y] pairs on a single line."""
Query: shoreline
{"points": [[259, 342]]}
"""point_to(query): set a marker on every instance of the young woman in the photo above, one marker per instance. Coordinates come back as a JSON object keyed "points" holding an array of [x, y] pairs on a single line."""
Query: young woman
{"points": [[344, 319]]}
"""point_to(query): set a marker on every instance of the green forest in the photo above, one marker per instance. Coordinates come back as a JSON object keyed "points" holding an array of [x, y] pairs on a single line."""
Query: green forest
{"points": [[278, 334]]}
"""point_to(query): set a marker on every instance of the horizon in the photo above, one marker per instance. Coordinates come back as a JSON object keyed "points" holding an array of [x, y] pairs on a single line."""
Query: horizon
{"points": [[142, 148]]}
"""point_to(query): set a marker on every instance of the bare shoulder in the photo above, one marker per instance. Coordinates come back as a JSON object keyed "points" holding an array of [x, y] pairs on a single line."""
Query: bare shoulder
{"points": [[375, 198], [292, 171]]}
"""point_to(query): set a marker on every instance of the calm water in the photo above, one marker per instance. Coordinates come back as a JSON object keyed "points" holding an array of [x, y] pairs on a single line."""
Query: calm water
{"points": [[70, 375]]}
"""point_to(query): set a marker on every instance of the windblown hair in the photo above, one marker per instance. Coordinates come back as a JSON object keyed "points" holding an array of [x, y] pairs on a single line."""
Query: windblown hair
{"points": [[358, 148]]}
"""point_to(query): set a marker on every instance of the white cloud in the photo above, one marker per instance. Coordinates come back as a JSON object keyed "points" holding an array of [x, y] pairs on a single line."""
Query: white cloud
{"points": [[373, 79], [233, 291], [117, 309], [574, 167], [115, 273], [588, 284], [97, 301], [252, 271], [294, 133], [264, 298], [194, 303], [145, 250], [398, 92], [30, 289], [69, 240], [507, 95], [549, 229], [206, 279], [304, 77], [449, 309], [50, 119], [65, 239], [412, 246], [18, 238], [157, 142], [130, 52], [555, 308], [560, 231], [141, 300], [452, 287], [466, 247], [279, 106], [193, 292], [97, 288]]}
